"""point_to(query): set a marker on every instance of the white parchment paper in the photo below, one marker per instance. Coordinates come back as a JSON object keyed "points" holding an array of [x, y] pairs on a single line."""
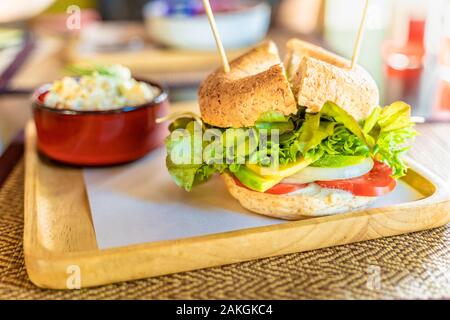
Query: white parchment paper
{"points": [[138, 203]]}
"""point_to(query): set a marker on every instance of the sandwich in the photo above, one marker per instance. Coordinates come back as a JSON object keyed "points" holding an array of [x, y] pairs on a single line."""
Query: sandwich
{"points": [[300, 138]]}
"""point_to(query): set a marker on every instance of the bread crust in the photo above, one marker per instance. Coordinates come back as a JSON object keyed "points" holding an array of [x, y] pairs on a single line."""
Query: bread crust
{"points": [[256, 83], [297, 206], [297, 49], [318, 76]]}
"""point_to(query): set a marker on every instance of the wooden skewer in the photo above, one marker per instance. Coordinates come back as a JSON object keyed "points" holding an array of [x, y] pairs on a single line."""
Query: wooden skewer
{"points": [[359, 37], [212, 22]]}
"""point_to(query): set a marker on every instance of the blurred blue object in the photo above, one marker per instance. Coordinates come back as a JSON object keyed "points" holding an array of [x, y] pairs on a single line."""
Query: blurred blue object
{"points": [[183, 7], [195, 7], [171, 7]]}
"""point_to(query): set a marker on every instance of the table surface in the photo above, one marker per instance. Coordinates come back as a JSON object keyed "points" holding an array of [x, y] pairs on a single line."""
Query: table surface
{"points": [[408, 266]]}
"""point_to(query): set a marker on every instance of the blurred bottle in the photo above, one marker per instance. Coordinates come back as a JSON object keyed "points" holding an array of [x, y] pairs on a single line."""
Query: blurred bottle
{"points": [[404, 47], [403, 54], [438, 36], [341, 22], [437, 44]]}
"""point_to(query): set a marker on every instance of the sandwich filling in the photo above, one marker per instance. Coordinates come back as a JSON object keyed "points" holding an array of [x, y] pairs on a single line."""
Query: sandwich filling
{"points": [[285, 154]]}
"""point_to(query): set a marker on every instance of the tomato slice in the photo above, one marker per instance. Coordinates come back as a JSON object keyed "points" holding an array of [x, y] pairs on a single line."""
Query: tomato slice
{"points": [[281, 188], [375, 183]]}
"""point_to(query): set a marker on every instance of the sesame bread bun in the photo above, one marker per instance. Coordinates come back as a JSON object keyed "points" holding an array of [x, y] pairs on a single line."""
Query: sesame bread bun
{"points": [[317, 76], [311, 201], [256, 83]]}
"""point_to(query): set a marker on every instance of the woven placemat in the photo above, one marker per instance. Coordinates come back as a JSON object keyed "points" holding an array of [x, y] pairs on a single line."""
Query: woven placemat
{"points": [[408, 266]]}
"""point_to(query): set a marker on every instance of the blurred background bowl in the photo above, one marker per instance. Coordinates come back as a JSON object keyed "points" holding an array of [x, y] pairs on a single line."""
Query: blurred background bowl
{"points": [[188, 28]]}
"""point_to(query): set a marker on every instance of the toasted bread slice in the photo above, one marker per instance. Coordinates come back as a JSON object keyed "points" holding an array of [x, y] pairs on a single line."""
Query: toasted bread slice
{"points": [[317, 76], [297, 49], [311, 202], [256, 83]]}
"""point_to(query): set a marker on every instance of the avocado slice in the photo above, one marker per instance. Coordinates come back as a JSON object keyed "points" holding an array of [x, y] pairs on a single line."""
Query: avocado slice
{"points": [[254, 181], [338, 161]]}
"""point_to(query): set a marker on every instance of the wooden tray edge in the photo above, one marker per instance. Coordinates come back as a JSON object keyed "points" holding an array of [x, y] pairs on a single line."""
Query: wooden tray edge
{"points": [[100, 267]]}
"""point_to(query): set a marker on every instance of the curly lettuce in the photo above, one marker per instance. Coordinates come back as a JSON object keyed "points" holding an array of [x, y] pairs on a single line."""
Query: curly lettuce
{"points": [[330, 138], [392, 131]]}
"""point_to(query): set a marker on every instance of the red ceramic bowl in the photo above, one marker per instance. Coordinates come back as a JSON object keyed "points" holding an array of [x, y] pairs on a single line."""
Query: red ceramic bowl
{"points": [[93, 138]]}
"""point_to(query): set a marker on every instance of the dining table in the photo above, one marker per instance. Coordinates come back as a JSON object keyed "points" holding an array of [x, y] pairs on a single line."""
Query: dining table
{"points": [[408, 266]]}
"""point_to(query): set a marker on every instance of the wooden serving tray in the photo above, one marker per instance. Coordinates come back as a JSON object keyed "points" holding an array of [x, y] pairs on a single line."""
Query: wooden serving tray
{"points": [[59, 232]]}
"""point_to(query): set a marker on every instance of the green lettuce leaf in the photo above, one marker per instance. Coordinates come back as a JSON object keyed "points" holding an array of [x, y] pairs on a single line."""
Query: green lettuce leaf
{"points": [[330, 138], [391, 146], [303, 142], [372, 120], [324, 130], [391, 133], [272, 116], [395, 116], [341, 116], [182, 174], [282, 127], [344, 142]]}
